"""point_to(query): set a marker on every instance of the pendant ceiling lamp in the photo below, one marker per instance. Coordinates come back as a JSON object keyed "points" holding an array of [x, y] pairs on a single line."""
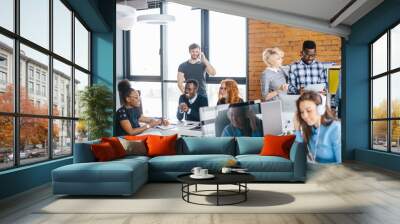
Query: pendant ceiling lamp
{"points": [[158, 19], [126, 16]]}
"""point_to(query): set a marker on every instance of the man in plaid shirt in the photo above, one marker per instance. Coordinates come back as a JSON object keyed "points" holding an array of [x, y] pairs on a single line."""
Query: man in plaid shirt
{"points": [[306, 71]]}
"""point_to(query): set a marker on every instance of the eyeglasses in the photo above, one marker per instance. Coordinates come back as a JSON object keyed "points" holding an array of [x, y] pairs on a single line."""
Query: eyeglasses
{"points": [[222, 88], [309, 55]]}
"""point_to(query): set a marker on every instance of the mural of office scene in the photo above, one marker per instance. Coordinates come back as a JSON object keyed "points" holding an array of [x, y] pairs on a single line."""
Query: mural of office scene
{"points": [[301, 99]]}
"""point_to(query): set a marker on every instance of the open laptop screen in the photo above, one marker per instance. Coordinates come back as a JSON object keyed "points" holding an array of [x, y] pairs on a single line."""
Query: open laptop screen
{"points": [[236, 120]]}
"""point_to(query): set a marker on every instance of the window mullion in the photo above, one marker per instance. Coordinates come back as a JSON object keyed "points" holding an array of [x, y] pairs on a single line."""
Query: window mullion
{"points": [[16, 85], [50, 82], [163, 60], [389, 113]]}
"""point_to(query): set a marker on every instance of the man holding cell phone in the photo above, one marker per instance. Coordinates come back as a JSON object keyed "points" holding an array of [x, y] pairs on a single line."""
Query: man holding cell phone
{"points": [[195, 68]]}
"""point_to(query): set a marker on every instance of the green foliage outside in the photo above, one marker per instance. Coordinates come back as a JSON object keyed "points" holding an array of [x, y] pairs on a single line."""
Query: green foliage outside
{"points": [[380, 127]]}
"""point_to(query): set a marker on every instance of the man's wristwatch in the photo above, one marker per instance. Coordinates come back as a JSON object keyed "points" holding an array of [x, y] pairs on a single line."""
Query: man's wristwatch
{"points": [[147, 126]]}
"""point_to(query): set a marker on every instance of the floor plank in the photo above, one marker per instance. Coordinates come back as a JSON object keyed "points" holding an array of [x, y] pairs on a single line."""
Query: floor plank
{"points": [[377, 190]]}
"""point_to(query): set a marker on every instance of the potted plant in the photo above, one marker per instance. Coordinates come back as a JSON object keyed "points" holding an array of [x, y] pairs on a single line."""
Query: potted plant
{"points": [[96, 102]]}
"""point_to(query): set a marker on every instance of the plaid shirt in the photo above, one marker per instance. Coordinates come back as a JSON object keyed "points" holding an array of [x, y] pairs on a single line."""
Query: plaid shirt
{"points": [[301, 75]]}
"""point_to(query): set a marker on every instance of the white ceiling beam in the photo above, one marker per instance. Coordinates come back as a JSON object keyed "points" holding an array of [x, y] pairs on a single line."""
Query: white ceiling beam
{"points": [[347, 12], [270, 15]]}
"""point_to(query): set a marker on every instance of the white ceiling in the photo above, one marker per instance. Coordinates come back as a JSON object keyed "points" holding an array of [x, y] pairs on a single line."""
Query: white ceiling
{"points": [[310, 14], [321, 9]]}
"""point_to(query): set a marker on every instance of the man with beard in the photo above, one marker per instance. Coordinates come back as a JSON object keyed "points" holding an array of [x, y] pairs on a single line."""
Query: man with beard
{"points": [[307, 71], [195, 68]]}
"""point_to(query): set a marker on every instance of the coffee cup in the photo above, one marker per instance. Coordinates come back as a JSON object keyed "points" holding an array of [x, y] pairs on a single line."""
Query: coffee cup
{"points": [[226, 170], [203, 172], [196, 171]]}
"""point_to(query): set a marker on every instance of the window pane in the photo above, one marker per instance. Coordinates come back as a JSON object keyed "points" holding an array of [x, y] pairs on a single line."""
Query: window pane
{"points": [[81, 131], [81, 81], [150, 94], [379, 135], [187, 22], [6, 142], [172, 99], [62, 89], [395, 47], [62, 29], [395, 95], [7, 14], [34, 72], [379, 98], [395, 138], [6, 74], [81, 45], [33, 139], [35, 21], [228, 44], [62, 141], [145, 47], [379, 55], [213, 89]]}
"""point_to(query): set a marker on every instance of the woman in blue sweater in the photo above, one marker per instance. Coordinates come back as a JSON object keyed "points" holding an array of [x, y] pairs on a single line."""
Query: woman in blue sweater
{"points": [[318, 128]]}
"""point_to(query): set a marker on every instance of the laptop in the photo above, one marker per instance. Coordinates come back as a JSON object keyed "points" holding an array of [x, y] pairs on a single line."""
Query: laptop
{"points": [[272, 117], [288, 102]]}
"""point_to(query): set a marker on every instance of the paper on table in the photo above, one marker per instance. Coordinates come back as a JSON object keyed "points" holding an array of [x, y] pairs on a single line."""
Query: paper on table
{"points": [[166, 127]]}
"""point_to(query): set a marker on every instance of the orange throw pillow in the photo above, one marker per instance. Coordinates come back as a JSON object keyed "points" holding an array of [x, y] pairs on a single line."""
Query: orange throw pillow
{"points": [[161, 145], [103, 152], [116, 145], [136, 137], [277, 145]]}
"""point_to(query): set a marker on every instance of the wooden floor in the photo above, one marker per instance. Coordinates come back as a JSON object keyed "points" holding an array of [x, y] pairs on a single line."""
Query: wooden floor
{"points": [[377, 188]]}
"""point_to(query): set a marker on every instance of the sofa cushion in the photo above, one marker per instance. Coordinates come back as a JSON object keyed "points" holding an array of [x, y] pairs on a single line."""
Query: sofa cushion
{"points": [[277, 145], [116, 145], [161, 145], [185, 163], [136, 137], [257, 163], [133, 157], [208, 145], [249, 145], [134, 147], [103, 152], [111, 171]]}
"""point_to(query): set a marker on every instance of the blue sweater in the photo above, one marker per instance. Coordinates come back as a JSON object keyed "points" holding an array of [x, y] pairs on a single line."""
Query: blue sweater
{"points": [[325, 141]]}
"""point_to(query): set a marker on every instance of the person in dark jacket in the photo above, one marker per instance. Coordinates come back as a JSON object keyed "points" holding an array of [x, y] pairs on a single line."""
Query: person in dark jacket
{"points": [[190, 102]]}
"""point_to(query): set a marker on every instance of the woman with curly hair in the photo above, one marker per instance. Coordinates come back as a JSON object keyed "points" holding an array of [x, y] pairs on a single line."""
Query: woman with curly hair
{"points": [[229, 92], [130, 116]]}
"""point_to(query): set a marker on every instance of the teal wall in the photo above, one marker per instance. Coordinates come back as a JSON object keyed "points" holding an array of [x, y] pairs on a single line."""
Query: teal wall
{"points": [[99, 16], [356, 85], [24, 178], [102, 58], [103, 52]]}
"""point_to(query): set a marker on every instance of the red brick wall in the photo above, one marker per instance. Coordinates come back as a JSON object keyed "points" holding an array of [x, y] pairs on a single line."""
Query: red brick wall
{"points": [[264, 34]]}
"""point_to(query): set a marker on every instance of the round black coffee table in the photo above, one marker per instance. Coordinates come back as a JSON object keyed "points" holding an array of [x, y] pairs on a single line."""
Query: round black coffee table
{"points": [[238, 179]]}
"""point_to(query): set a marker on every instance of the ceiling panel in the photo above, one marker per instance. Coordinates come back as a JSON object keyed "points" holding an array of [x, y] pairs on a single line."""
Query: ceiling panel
{"points": [[309, 14], [320, 9]]}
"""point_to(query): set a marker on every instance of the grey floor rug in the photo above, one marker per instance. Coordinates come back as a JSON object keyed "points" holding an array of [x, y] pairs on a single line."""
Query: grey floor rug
{"points": [[166, 198]]}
